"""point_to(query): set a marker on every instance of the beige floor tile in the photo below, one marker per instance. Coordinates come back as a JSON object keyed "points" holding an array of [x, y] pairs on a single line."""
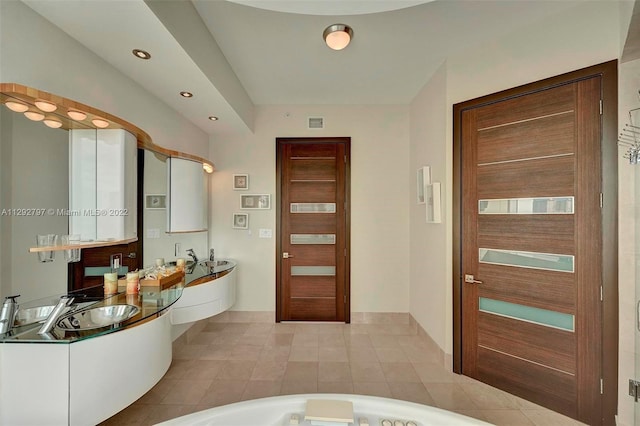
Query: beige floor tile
{"points": [[358, 341], [415, 354], [259, 329], [253, 339], [430, 372], [269, 370], [275, 353], [507, 418], [367, 372], [228, 339], [296, 387], [261, 389], [301, 371], [391, 355], [204, 338], [283, 327], [333, 353], [335, 387], [161, 413], [236, 327], [188, 352], [476, 414], [222, 392], [236, 370], [544, 417], [487, 397], [414, 392], [354, 329], [450, 396], [186, 392], [399, 372], [331, 340], [157, 393], [304, 339], [334, 372], [384, 341], [214, 327], [303, 353], [134, 414], [203, 369], [178, 368], [217, 352], [372, 388], [279, 339], [363, 354], [246, 352]]}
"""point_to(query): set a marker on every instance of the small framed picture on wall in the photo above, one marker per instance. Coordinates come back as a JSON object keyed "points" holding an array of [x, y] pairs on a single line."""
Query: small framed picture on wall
{"points": [[240, 221], [240, 182], [255, 201]]}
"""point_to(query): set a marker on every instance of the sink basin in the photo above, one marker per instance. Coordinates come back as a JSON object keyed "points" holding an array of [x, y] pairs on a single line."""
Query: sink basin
{"points": [[102, 316], [215, 263], [188, 263], [40, 313]]}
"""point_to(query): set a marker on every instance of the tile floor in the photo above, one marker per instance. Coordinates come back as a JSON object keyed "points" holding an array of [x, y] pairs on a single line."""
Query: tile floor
{"points": [[226, 362]]}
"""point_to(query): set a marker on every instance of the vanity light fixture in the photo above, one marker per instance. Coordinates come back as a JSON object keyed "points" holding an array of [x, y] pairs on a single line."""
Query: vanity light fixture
{"points": [[142, 54], [213, 118], [54, 124], [337, 36], [16, 106], [186, 94], [207, 167], [46, 106], [34, 115], [100, 123], [76, 115]]}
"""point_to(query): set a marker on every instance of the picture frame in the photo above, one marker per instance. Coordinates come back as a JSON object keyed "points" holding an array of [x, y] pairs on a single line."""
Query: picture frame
{"points": [[155, 201], [423, 178], [240, 182], [240, 221], [433, 202], [255, 201]]}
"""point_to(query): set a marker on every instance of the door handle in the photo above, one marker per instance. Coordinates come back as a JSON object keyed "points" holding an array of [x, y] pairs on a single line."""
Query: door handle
{"points": [[286, 255], [471, 279]]}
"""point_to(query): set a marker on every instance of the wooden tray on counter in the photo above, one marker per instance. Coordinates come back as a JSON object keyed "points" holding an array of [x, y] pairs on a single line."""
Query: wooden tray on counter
{"points": [[162, 282]]}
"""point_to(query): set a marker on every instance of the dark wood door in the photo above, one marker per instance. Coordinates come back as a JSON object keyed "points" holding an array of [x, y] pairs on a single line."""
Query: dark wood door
{"points": [[313, 248], [532, 246]]}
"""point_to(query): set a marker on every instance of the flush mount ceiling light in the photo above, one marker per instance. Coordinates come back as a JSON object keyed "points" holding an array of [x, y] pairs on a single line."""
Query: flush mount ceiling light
{"points": [[142, 54], [76, 115], [213, 118], [337, 36], [34, 115], [46, 106], [16, 106], [54, 124], [186, 94], [100, 123]]}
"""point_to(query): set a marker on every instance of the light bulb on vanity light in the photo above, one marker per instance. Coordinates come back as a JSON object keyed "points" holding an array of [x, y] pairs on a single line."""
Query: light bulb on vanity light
{"points": [[76, 115], [46, 106], [207, 167], [54, 124], [100, 123], [34, 115], [16, 106]]}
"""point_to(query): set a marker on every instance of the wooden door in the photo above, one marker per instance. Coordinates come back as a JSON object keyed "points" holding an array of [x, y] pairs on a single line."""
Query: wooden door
{"points": [[531, 266], [312, 272]]}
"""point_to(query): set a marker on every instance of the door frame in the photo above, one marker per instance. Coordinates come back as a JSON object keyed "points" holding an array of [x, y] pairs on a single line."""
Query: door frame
{"points": [[347, 211], [609, 150]]}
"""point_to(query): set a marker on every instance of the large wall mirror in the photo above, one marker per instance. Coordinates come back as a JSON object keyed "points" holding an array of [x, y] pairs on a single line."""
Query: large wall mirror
{"points": [[35, 198]]}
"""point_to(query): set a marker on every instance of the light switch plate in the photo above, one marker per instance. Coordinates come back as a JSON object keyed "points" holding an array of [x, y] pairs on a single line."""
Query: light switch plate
{"points": [[265, 233]]}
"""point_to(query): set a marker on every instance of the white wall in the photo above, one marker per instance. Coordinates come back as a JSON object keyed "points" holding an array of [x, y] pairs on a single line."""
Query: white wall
{"points": [[427, 241], [379, 201]]}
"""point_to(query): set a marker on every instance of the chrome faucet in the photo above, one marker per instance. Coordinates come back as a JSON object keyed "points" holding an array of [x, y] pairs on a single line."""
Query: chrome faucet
{"points": [[191, 253], [8, 313], [50, 322]]}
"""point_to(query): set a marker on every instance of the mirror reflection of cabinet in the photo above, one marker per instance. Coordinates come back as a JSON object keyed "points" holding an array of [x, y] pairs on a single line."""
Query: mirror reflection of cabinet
{"points": [[186, 196]]}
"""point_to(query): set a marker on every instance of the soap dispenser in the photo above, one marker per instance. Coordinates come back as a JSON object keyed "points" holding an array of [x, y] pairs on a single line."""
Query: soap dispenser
{"points": [[8, 314]]}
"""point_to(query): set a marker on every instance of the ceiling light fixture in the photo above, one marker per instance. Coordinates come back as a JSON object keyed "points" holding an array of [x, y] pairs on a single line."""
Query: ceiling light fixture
{"points": [[34, 115], [207, 167], [213, 118], [142, 54], [186, 94], [337, 36], [100, 123], [16, 106], [76, 115], [46, 106], [54, 124]]}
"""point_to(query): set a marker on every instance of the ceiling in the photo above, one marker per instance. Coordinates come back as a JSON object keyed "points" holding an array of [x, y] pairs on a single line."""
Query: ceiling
{"points": [[233, 56]]}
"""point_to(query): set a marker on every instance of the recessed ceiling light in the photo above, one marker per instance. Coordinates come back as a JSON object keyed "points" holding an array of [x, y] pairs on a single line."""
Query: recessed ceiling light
{"points": [[213, 118], [54, 124], [16, 106], [34, 115], [46, 106], [337, 36], [100, 123], [142, 54], [186, 94], [76, 115]]}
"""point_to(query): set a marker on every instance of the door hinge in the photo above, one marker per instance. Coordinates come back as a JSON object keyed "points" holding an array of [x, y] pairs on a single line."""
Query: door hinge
{"points": [[601, 200], [600, 106], [634, 389]]}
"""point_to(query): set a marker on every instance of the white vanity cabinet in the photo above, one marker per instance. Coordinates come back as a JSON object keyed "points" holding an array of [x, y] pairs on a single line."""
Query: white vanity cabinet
{"points": [[186, 196]]}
